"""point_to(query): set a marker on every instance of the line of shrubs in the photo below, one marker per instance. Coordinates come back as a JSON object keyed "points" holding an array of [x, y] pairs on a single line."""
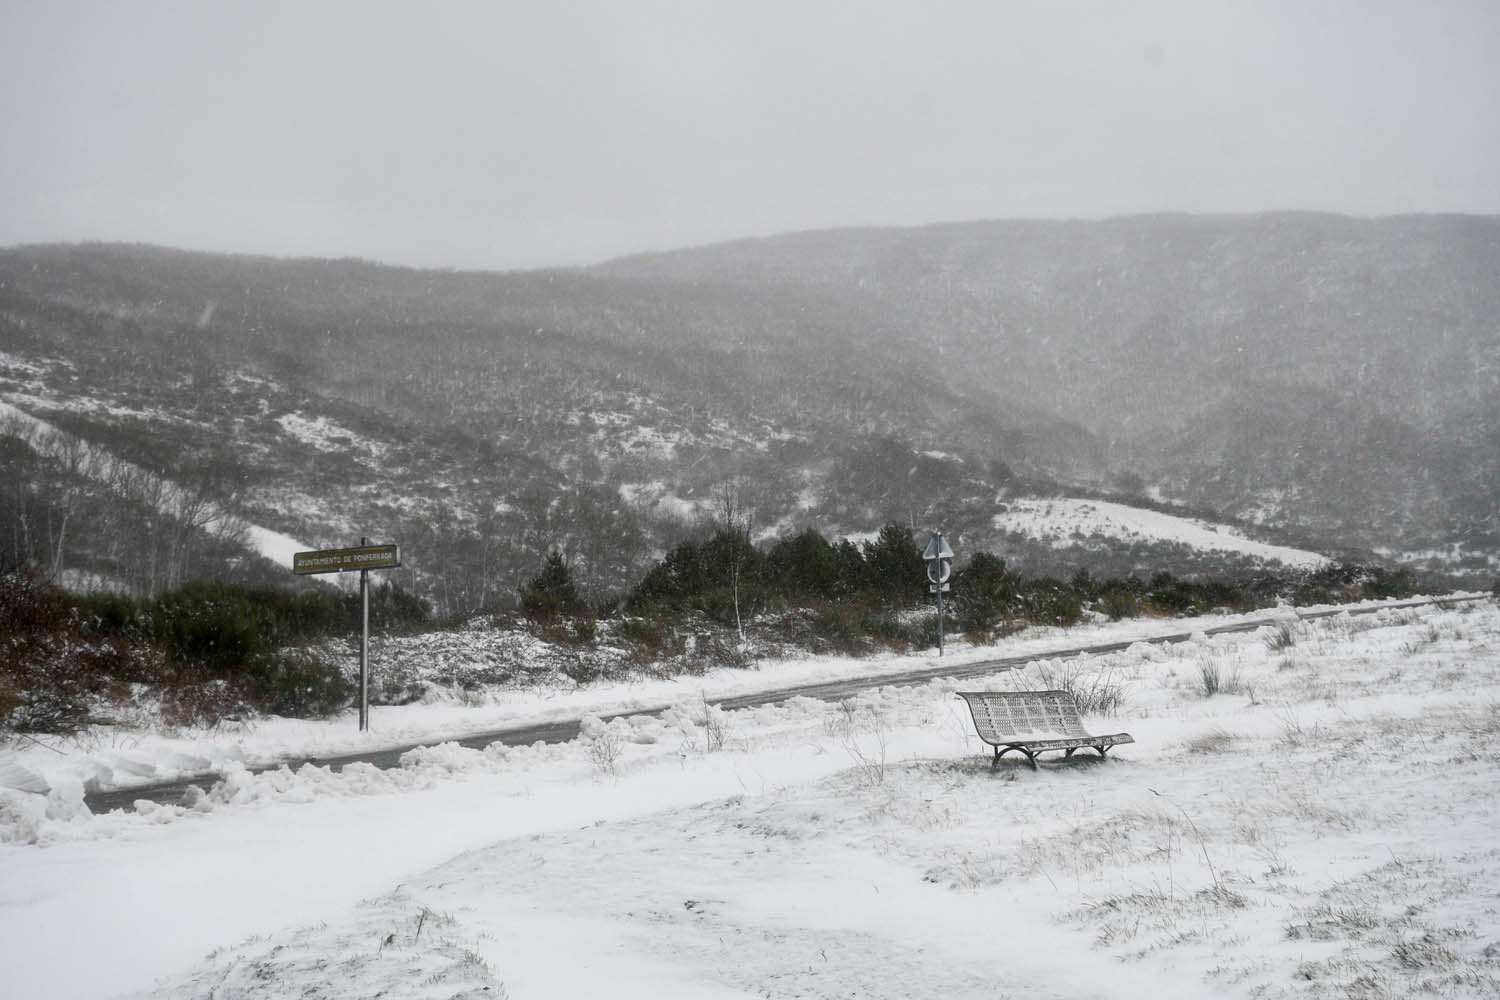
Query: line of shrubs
{"points": [[856, 593], [209, 651], [804, 570]]}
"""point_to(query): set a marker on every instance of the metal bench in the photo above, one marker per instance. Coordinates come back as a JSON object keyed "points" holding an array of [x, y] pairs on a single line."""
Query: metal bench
{"points": [[1033, 721]]}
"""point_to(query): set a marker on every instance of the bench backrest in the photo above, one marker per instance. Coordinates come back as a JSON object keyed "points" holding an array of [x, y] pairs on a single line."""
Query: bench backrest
{"points": [[1007, 715]]}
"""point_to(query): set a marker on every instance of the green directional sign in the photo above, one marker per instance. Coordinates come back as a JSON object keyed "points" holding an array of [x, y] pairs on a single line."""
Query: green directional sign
{"points": [[347, 560]]}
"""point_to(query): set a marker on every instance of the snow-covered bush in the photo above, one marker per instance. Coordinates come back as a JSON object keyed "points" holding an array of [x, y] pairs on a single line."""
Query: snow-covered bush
{"points": [[301, 683]]}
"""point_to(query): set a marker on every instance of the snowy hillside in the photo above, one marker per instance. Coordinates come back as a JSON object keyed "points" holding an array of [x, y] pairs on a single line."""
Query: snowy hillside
{"points": [[96, 463], [480, 418], [1074, 523]]}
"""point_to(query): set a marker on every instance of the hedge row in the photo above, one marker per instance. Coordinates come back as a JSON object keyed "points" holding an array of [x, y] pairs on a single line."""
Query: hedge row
{"points": [[209, 650], [806, 570]]}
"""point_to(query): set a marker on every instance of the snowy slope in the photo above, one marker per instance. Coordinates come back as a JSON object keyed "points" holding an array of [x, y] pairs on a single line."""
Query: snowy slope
{"points": [[44, 437], [1067, 521]]}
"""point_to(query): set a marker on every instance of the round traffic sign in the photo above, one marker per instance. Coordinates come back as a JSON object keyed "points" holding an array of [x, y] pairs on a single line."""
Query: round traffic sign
{"points": [[944, 569]]}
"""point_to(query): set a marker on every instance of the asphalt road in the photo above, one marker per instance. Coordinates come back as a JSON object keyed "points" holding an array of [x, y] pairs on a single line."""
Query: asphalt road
{"points": [[561, 732]]}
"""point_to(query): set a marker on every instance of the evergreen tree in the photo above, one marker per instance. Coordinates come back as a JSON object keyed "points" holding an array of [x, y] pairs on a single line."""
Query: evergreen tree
{"points": [[985, 593], [552, 591], [895, 564]]}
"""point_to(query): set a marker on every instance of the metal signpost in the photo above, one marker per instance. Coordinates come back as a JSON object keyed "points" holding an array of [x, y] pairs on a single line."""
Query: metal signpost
{"points": [[363, 558], [939, 568]]}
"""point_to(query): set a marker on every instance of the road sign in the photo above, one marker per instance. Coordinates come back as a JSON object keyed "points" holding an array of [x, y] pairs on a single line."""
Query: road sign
{"points": [[937, 548], [363, 558], [939, 556], [939, 570], [347, 560]]}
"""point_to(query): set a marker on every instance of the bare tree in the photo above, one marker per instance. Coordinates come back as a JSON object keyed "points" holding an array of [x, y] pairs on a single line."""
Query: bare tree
{"points": [[71, 459], [733, 517]]}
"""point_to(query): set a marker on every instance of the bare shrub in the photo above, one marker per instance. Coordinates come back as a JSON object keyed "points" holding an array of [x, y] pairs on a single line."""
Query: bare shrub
{"points": [[715, 727], [725, 651], [863, 733], [202, 705], [604, 750], [1096, 691], [1295, 733]]}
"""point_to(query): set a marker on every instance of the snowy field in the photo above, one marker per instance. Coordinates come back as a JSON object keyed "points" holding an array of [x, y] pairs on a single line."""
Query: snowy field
{"points": [[1067, 522], [1322, 826]]}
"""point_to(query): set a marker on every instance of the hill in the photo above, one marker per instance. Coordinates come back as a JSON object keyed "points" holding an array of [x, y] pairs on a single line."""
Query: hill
{"points": [[1338, 375], [1316, 381]]}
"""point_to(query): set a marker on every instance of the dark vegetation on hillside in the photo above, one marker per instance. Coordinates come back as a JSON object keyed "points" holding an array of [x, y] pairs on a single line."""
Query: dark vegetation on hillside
{"points": [[1334, 383], [207, 652]]}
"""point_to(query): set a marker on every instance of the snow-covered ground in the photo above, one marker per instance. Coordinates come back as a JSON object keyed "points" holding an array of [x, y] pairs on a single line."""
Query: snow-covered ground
{"points": [[111, 757], [328, 435], [1068, 521], [1323, 826], [1454, 554]]}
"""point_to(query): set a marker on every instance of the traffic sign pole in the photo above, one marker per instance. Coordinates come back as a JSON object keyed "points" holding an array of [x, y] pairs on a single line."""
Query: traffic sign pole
{"points": [[940, 619], [364, 558], [939, 557], [364, 647]]}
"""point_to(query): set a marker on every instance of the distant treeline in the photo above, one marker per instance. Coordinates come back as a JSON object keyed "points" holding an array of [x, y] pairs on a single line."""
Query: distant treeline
{"points": [[730, 580]]}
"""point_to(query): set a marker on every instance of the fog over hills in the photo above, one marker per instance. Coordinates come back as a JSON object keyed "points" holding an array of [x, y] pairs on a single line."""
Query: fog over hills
{"points": [[1337, 373], [1334, 381]]}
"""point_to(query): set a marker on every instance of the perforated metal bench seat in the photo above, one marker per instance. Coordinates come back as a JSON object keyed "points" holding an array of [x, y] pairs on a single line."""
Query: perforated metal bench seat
{"points": [[1031, 722]]}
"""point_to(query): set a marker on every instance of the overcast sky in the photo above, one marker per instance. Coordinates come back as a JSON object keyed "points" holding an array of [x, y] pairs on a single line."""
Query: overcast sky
{"points": [[500, 135]]}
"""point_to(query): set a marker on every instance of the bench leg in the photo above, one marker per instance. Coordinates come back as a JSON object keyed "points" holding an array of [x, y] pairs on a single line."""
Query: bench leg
{"points": [[1030, 757], [1101, 750]]}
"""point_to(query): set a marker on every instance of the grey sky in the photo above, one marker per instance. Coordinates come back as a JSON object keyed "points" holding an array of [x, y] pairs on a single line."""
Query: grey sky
{"points": [[519, 135]]}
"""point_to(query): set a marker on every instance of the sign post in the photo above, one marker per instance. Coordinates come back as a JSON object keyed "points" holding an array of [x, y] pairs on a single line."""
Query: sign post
{"points": [[939, 559], [364, 558], [364, 646]]}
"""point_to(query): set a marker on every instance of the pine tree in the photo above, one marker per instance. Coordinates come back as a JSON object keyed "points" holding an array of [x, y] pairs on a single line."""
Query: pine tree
{"points": [[552, 591]]}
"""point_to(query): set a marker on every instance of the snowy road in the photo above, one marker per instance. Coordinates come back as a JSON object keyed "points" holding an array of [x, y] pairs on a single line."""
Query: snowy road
{"points": [[565, 730]]}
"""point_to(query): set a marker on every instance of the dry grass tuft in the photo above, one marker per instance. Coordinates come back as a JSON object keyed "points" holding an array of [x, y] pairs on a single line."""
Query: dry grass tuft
{"points": [[1213, 741], [1219, 673]]}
